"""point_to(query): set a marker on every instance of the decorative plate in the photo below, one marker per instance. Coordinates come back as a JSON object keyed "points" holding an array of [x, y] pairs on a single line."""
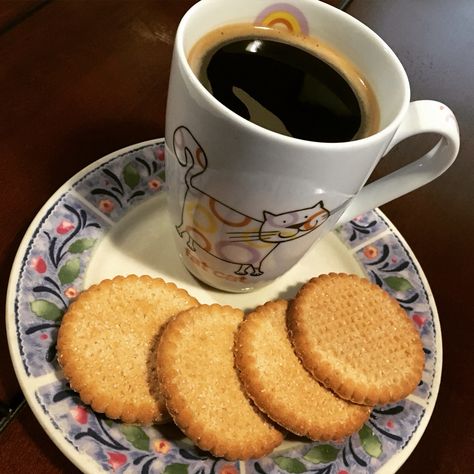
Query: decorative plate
{"points": [[111, 219]]}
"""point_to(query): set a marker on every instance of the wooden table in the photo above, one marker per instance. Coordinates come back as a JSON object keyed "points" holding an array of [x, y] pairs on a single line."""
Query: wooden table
{"points": [[80, 79]]}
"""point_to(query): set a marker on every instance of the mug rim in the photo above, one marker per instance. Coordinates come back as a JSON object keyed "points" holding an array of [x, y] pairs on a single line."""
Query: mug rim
{"points": [[388, 129]]}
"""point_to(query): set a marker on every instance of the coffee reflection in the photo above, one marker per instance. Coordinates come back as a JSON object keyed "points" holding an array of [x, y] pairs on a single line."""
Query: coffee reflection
{"points": [[292, 85]]}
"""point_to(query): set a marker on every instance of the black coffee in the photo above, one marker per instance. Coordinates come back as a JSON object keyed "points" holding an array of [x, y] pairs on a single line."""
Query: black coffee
{"points": [[283, 87]]}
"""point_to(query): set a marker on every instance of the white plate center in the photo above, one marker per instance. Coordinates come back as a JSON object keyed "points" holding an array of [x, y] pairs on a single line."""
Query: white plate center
{"points": [[142, 242]]}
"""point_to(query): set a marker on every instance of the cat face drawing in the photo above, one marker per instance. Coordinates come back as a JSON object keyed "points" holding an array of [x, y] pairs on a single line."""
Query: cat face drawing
{"points": [[226, 233]]}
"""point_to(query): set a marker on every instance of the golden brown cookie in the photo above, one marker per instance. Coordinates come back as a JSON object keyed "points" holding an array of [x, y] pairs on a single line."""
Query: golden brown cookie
{"points": [[106, 343], [355, 339], [280, 386], [201, 387]]}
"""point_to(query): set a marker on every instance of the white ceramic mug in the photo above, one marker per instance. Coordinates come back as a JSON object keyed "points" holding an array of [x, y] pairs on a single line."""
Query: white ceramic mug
{"points": [[248, 203]]}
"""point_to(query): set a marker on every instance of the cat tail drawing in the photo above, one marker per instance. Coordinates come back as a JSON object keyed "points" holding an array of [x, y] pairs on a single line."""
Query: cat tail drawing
{"points": [[189, 154]]}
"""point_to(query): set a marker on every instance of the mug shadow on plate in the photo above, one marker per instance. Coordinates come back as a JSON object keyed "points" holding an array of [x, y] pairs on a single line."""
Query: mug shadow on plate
{"points": [[141, 242]]}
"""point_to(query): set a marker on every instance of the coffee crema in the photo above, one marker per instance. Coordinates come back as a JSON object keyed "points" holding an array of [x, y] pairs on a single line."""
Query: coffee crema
{"points": [[291, 84]]}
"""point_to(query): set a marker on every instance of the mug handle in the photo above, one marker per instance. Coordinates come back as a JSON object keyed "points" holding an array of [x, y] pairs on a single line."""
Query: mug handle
{"points": [[423, 116]]}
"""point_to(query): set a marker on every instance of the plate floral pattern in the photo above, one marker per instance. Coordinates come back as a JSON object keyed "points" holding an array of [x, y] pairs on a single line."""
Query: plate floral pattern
{"points": [[49, 271]]}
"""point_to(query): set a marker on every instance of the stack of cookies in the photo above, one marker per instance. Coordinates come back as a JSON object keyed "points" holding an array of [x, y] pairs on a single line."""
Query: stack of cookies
{"points": [[142, 350]]}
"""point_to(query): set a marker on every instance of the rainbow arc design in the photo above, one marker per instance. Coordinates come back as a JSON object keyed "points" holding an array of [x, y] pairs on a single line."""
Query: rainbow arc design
{"points": [[283, 16]]}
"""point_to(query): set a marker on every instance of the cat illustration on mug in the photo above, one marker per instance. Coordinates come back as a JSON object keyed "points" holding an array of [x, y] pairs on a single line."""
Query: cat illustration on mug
{"points": [[227, 233]]}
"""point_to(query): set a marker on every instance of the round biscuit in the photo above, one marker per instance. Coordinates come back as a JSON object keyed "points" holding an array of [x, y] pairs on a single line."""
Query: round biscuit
{"points": [[202, 390], [275, 379], [107, 342], [355, 339]]}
